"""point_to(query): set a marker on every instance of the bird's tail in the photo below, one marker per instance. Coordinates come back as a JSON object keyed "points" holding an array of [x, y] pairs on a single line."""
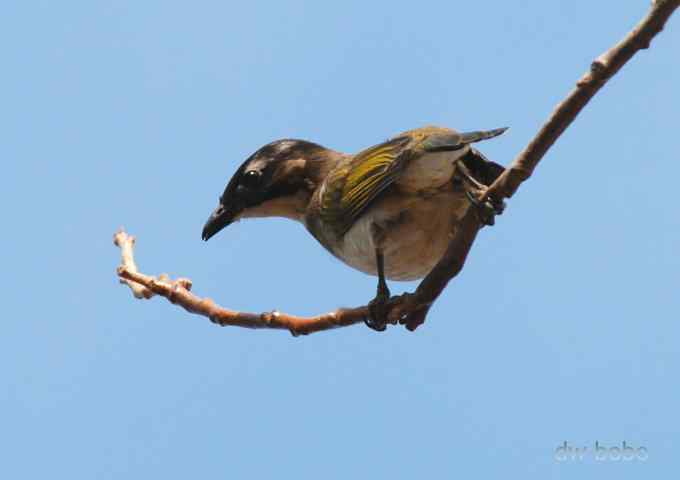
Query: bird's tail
{"points": [[450, 141], [472, 137]]}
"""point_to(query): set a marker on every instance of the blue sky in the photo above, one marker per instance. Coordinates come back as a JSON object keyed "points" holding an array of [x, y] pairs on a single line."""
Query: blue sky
{"points": [[562, 327]]}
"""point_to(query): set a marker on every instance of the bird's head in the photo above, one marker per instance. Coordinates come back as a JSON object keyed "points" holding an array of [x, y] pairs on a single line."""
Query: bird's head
{"points": [[275, 181]]}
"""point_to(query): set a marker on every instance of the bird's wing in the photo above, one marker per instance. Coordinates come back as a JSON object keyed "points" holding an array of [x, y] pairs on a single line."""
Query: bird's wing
{"points": [[353, 185]]}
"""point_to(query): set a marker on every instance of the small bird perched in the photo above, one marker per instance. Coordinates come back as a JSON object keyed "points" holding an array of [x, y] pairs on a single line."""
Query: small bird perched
{"points": [[390, 210]]}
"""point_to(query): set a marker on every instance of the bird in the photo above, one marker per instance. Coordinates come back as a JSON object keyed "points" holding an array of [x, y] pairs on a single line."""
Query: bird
{"points": [[388, 211]]}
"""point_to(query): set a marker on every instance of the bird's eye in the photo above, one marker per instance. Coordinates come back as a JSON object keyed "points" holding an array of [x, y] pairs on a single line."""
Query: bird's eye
{"points": [[251, 179]]}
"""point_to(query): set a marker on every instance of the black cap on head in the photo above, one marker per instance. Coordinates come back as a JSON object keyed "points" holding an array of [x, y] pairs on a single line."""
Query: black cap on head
{"points": [[262, 177]]}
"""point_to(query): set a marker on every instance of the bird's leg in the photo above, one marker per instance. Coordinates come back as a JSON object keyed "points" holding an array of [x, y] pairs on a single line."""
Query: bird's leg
{"points": [[377, 320], [486, 210]]}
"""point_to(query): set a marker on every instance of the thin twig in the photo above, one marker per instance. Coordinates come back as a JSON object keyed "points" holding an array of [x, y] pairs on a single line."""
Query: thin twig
{"points": [[411, 309], [179, 292], [127, 260]]}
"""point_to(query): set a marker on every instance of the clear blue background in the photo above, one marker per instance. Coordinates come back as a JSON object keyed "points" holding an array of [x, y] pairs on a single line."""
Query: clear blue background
{"points": [[564, 325]]}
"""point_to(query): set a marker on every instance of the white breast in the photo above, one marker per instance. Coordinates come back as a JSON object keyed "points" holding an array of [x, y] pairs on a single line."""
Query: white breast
{"points": [[418, 231]]}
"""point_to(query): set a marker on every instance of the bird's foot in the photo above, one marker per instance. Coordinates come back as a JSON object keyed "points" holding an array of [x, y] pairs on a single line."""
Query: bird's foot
{"points": [[377, 308], [487, 209]]}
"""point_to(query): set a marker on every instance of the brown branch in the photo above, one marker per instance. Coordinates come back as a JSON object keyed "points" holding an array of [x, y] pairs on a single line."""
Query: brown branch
{"points": [[411, 309], [179, 292], [601, 70]]}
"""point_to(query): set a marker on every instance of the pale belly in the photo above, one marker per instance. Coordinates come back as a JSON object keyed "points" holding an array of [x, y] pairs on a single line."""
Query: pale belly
{"points": [[416, 233]]}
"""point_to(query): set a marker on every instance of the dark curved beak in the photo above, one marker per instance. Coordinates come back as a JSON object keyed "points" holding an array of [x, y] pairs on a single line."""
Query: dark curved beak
{"points": [[220, 218]]}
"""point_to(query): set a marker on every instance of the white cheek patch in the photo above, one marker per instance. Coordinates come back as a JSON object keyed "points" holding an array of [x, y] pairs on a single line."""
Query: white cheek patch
{"points": [[288, 207], [265, 209]]}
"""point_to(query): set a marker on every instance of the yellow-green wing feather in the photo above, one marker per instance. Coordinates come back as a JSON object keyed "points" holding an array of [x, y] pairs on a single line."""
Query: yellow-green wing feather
{"points": [[352, 186]]}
